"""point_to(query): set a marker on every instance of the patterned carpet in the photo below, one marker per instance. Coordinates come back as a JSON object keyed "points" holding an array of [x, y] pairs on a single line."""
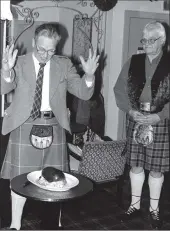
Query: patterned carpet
{"points": [[97, 210]]}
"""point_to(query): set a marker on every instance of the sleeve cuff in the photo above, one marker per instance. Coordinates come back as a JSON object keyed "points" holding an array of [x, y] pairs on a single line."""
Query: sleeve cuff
{"points": [[9, 78], [89, 83], [161, 115]]}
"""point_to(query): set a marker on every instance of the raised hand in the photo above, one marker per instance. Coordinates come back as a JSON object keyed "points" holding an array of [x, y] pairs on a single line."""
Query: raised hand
{"points": [[9, 58], [91, 64]]}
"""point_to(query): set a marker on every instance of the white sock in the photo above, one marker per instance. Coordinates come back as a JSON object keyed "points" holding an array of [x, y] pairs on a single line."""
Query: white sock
{"points": [[155, 186], [137, 180], [18, 203]]}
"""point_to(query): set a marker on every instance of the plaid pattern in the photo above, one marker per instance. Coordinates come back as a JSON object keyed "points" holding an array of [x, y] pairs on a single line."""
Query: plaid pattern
{"points": [[21, 157], [38, 92], [154, 157]]}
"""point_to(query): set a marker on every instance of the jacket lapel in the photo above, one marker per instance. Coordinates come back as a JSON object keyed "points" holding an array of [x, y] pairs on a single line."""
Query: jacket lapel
{"points": [[55, 76], [30, 75], [29, 71]]}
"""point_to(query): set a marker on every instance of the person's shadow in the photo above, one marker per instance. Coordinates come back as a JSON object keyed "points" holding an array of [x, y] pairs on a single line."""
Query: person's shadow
{"points": [[73, 101], [167, 31], [63, 33]]}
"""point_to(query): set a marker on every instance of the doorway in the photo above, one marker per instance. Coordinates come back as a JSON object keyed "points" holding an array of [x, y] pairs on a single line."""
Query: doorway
{"points": [[133, 27]]}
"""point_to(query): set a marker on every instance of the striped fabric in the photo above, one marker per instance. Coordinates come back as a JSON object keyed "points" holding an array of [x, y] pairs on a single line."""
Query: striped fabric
{"points": [[154, 157], [21, 157]]}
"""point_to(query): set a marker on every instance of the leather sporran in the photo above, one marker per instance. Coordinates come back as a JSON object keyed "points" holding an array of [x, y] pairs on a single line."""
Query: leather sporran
{"points": [[143, 134], [41, 136]]}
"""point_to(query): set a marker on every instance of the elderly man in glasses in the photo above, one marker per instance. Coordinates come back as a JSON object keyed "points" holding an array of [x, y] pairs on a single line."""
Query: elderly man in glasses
{"points": [[40, 81], [142, 91]]}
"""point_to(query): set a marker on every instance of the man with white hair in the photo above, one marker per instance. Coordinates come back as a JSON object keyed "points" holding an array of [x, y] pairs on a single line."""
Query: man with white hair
{"points": [[144, 80]]}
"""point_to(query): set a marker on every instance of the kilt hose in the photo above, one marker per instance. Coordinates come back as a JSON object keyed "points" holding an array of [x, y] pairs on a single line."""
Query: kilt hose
{"points": [[154, 157], [21, 157]]}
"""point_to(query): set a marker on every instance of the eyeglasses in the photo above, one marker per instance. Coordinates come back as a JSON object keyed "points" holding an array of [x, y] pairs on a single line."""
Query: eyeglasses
{"points": [[43, 51], [149, 41]]}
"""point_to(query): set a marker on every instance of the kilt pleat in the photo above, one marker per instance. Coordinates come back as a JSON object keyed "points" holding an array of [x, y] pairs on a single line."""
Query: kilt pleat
{"points": [[21, 157], [154, 157]]}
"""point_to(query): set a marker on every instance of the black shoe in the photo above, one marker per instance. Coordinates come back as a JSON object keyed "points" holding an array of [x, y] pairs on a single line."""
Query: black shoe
{"points": [[155, 220], [131, 214], [8, 228]]}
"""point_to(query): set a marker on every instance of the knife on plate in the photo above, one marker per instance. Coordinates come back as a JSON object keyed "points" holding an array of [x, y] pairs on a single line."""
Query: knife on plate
{"points": [[29, 182], [26, 183]]}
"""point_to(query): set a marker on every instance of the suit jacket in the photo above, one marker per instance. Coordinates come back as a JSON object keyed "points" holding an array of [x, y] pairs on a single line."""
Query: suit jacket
{"points": [[63, 78]]}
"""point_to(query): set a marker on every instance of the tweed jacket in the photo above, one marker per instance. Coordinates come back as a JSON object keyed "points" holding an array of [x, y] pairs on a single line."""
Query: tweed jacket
{"points": [[63, 78]]}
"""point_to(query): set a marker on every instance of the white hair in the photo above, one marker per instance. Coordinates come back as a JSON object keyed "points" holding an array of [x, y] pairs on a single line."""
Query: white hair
{"points": [[157, 27]]}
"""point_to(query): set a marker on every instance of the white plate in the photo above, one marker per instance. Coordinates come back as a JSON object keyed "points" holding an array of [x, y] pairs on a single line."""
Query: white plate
{"points": [[71, 181]]}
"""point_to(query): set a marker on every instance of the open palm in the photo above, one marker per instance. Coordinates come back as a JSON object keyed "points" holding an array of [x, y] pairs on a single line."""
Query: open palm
{"points": [[91, 64], [9, 58]]}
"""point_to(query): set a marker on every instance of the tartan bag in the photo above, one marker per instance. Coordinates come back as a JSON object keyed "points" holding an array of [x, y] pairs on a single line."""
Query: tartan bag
{"points": [[103, 161]]}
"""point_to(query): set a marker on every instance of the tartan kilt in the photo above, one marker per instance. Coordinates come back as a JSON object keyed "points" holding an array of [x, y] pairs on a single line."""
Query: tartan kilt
{"points": [[154, 157], [21, 157]]}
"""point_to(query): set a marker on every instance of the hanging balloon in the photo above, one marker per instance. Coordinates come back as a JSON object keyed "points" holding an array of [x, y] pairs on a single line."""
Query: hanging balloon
{"points": [[105, 5], [15, 2]]}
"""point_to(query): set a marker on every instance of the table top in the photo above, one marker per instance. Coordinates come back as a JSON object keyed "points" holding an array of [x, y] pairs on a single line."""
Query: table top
{"points": [[33, 192]]}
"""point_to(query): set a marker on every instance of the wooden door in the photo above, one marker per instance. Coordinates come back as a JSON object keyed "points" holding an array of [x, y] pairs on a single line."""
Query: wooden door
{"points": [[133, 27]]}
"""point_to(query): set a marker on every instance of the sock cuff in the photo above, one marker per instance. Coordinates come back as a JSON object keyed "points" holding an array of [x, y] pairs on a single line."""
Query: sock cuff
{"points": [[153, 180], [13, 194], [140, 174]]}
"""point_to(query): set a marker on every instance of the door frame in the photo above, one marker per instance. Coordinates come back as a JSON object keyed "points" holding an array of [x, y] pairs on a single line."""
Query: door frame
{"points": [[129, 14]]}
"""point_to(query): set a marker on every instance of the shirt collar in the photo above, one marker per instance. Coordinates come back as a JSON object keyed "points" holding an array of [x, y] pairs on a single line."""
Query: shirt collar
{"points": [[36, 61], [157, 59]]}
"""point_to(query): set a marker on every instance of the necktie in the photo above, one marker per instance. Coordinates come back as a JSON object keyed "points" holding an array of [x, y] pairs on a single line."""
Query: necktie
{"points": [[38, 92]]}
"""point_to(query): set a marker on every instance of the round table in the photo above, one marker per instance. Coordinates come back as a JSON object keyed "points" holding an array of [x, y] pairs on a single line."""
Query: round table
{"points": [[33, 192]]}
